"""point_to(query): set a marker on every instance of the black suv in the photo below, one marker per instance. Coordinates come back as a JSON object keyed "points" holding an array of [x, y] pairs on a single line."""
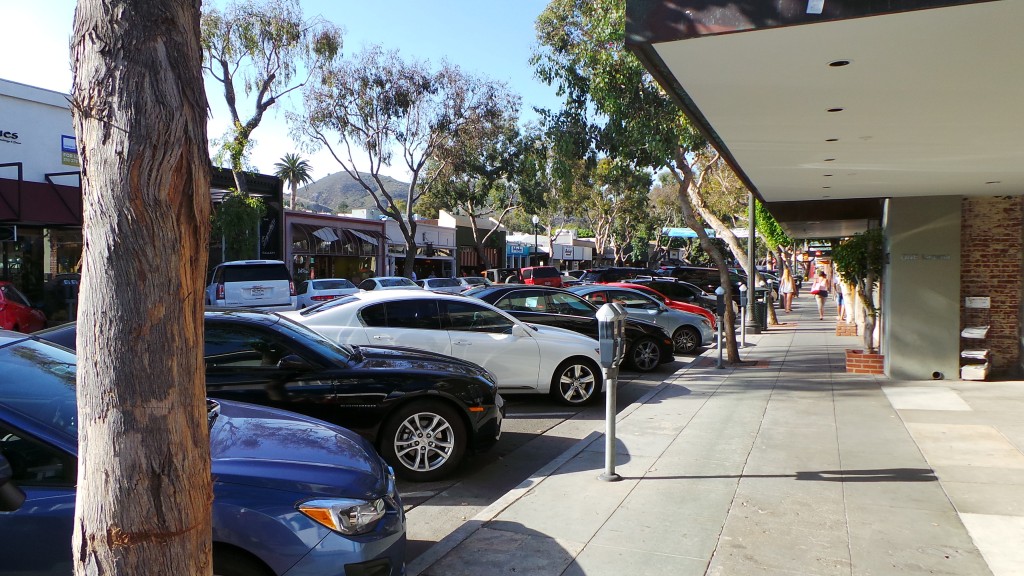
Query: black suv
{"points": [[647, 344], [707, 279], [615, 274]]}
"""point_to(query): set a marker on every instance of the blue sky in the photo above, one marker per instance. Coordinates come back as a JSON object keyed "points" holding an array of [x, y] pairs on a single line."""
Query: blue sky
{"points": [[488, 38]]}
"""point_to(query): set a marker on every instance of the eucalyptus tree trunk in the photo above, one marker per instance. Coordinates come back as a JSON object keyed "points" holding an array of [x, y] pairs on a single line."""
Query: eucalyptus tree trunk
{"points": [[144, 486]]}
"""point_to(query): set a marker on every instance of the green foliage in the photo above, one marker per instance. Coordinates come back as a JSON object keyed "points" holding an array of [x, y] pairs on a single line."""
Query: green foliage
{"points": [[236, 221], [769, 228], [294, 171], [861, 256]]}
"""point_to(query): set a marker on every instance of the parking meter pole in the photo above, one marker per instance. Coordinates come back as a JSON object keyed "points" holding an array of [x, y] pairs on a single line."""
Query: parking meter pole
{"points": [[611, 336], [720, 304], [744, 310]]}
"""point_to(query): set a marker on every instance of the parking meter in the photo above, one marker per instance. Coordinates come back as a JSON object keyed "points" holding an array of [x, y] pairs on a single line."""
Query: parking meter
{"points": [[720, 308], [611, 333]]}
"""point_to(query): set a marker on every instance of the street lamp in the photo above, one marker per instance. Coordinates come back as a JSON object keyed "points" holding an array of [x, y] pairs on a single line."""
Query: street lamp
{"points": [[535, 221]]}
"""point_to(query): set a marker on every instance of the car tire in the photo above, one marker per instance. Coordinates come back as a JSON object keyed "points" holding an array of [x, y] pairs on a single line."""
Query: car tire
{"points": [[645, 355], [230, 562], [686, 340], [576, 382], [424, 441]]}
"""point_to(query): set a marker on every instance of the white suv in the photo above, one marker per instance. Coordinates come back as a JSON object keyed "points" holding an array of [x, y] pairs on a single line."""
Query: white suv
{"points": [[263, 284]]}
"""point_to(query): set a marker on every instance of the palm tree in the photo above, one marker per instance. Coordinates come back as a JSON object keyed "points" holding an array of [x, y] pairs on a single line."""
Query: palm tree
{"points": [[293, 170]]}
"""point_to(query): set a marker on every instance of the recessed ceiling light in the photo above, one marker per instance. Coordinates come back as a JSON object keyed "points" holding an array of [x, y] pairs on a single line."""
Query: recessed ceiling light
{"points": [[825, 187], [839, 63], [830, 159], [825, 196], [827, 175], [994, 182], [834, 110], [832, 140]]}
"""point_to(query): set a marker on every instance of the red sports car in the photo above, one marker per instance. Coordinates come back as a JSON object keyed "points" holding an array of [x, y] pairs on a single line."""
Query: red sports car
{"points": [[15, 311], [675, 304]]}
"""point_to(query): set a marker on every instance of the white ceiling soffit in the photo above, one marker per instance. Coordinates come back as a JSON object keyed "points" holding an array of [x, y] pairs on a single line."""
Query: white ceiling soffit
{"points": [[932, 103]]}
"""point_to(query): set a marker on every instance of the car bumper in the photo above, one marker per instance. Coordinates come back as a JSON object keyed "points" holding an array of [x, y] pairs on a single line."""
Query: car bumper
{"points": [[337, 555], [488, 425]]}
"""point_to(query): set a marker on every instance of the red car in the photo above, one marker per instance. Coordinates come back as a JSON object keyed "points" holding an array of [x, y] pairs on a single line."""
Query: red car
{"points": [[675, 304], [16, 313]]}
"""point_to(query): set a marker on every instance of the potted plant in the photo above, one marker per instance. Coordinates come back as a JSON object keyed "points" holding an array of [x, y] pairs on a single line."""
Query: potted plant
{"points": [[859, 260]]}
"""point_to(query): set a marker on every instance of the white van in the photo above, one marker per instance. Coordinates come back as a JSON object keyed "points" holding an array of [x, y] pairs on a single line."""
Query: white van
{"points": [[263, 284]]}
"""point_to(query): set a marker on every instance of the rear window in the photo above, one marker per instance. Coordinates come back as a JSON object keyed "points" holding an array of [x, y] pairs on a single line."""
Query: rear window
{"points": [[337, 284], [256, 273], [591, 276], [546, 272], [393, 282], [443, 282]]}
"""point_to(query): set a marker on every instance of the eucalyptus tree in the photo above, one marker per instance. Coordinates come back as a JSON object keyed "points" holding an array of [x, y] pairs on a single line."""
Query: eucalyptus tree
{"points": [[144, 487], [267, 49], [294, 170], [625, 112], [386, 111]]}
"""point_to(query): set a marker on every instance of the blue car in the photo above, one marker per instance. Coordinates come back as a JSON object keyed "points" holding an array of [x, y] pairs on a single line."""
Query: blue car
{"points": [[293, 495]]}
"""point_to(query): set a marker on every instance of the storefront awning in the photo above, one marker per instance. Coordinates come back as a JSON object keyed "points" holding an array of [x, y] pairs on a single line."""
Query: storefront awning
{"points": [[366, 236], [329, 240]]}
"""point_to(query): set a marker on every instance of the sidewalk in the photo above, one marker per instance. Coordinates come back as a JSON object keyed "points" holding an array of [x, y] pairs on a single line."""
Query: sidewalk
{"points": [[785, 466]]}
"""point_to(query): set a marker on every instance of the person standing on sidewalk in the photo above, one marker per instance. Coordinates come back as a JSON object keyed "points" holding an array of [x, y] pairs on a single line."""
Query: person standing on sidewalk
{"points": [[787, 286], [820, 292]]}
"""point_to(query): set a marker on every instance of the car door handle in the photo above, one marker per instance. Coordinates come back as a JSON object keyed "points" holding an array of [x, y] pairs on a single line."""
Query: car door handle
{"points": [[462, 343], [379, 337]]}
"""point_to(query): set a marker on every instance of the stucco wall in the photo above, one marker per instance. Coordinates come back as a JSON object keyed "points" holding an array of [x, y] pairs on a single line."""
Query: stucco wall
{"points": [[922, 288]]}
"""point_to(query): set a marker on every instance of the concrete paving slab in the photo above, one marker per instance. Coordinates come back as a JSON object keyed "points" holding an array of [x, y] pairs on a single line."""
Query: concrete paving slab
{"points": [[924, 398], [501, 552], [916, 488], [966, 445], [1000, 540], [677, 517], [987, 498], [572, 504], [978, 474], [597, 560], [905, 541]]}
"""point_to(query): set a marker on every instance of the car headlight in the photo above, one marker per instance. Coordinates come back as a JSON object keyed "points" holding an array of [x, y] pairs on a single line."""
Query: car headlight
{"points": [[345, 515]]}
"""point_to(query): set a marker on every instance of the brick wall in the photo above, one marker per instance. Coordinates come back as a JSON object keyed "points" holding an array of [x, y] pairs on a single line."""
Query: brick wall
{"points": [[992, 237]]}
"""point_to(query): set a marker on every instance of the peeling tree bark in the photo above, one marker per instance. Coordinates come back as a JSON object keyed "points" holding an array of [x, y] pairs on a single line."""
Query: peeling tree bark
{"points": [[144, 486]]}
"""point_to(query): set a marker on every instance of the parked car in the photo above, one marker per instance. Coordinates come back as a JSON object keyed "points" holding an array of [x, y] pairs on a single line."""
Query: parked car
{"points": [[450, 285], [395, 397], [16, 313], [291, 494], [262, 284], [523, 358], [707, 279], [689, 331], [312, 292], [542, 276], [388, 283], [502, 275], [681, 291], [647, 344], [671, 303], [615, 274], [469, 282]]}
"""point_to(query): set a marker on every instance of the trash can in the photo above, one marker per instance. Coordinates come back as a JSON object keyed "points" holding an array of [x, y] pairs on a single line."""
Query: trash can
{"points": [[760, 307]]}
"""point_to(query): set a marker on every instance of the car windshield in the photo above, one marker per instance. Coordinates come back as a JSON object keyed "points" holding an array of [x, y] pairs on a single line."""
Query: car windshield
{"points": [[443, 282], [394, 282], [39, 382], [332, 284], [330, 348]]}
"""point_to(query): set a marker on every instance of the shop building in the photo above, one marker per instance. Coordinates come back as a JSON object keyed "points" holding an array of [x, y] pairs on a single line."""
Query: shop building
{"points": [[470, 262], [326, 246]]}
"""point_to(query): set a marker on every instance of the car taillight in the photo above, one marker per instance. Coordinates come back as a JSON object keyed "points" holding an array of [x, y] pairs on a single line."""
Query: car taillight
{"points": [[220, 291], [291, 288], [322, 298]]}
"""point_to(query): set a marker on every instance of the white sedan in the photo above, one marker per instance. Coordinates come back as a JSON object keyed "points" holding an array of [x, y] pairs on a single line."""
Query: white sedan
{"points": [[312, 292], [523, 358]]}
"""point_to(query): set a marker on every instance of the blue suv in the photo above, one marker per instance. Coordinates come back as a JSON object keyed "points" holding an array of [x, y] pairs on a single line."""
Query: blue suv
{"points": [[293, 495]]}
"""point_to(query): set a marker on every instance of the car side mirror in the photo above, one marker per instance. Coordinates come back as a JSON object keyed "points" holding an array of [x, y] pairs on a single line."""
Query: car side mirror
{"points": [[11, 497], [519, 331], [293, 362]]}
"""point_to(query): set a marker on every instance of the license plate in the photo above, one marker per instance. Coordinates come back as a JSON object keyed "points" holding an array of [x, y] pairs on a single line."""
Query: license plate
{"points": [[256, 292]]}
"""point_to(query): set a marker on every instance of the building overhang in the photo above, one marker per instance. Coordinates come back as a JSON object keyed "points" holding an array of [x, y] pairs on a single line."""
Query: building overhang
{"points": [[825, 107]]}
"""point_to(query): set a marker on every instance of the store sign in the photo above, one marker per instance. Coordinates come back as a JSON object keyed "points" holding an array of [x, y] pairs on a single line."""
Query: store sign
{"points": [[9, 136], [69, 151], [566, 252]]}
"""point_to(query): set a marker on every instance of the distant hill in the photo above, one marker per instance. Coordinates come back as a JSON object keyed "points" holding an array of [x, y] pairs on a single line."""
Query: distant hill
{"points": [[329, 192]]}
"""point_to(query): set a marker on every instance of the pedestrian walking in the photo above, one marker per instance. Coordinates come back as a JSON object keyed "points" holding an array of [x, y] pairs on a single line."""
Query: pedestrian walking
{"points": [[820, 290], [787, 287]]}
